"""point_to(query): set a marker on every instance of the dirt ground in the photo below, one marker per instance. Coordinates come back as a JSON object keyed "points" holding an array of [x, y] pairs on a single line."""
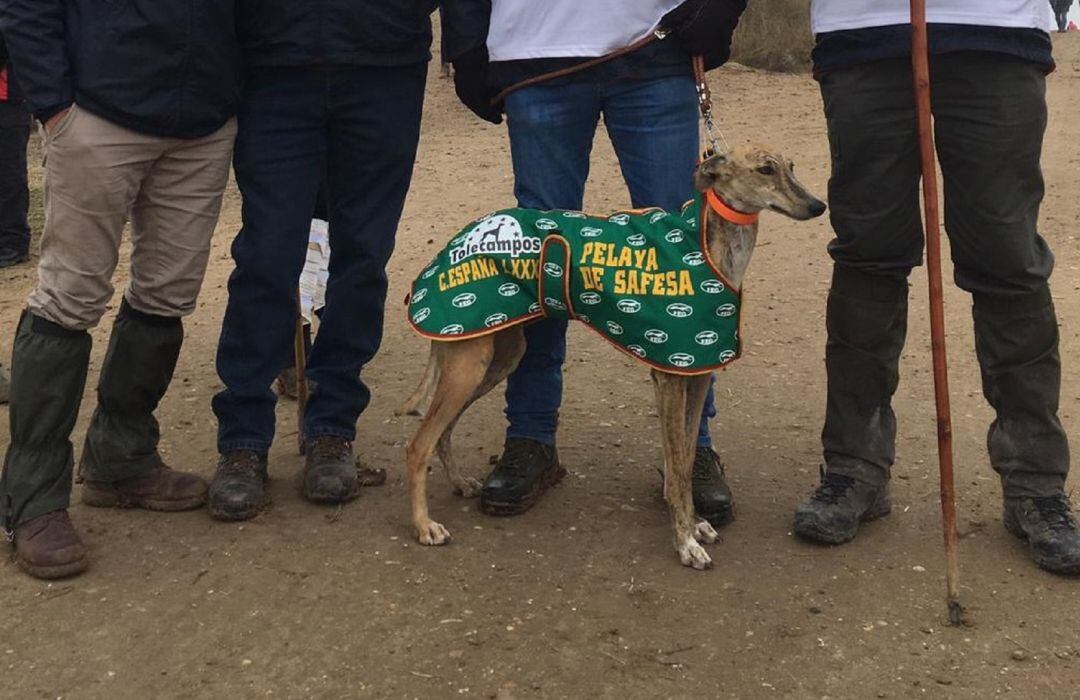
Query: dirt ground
{"points": [[583, 596]]}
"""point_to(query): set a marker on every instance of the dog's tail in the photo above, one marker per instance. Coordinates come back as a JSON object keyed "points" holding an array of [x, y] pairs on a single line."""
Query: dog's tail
{"points": [[422, 394]]}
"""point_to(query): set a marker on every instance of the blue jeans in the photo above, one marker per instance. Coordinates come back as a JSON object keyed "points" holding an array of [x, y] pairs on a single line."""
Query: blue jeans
{"points": [[359, 128], [653, 125]]}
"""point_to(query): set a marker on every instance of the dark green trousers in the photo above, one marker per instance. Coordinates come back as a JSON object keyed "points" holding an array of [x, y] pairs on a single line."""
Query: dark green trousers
{"points": [[990, 116]]}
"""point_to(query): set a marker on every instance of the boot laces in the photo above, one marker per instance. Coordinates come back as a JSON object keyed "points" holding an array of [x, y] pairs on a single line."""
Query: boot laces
{"points": [[832, 488], [242, 463], [519, 456], [1055, 511], [707, 465], [329, 449]]}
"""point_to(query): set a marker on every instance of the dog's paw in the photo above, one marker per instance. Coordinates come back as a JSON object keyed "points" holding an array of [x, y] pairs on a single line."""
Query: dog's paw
{"points": [[468, 487], [704, 532], [432, 534], [694, 555]]}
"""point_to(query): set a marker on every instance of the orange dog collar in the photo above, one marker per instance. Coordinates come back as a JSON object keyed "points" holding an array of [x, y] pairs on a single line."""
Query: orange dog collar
{"points": [[726, 212]]}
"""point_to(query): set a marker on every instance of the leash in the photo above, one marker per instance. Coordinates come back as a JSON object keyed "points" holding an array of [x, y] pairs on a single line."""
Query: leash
{"points": [[712, 134], [920, 64], [579, 67]]}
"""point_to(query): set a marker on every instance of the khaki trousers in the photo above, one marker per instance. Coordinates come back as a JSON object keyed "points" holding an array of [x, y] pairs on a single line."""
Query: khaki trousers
{"points": [[98, 176]]}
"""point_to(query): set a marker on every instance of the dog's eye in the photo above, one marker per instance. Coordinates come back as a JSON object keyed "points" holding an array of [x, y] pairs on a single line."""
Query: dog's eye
{"points": [[767, 169]]}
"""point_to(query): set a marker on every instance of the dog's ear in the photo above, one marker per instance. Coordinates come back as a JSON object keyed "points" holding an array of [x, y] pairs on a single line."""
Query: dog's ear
{"points": [[708, 170]]}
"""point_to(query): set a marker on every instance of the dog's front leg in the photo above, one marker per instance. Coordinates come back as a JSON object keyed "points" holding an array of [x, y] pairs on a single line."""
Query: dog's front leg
{"points": [[697, 388], [671, 404]]}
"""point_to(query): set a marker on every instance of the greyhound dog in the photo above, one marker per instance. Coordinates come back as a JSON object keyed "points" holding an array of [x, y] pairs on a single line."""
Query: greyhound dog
{"points": [[462, 369]]}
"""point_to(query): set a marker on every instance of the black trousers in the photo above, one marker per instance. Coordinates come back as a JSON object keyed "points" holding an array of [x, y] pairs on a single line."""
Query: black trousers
{"points": [[990, 116], [14, 191]]}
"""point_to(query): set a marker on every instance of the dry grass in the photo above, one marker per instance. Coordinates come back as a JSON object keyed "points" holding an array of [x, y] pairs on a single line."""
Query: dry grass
{"points": [[775, 35]]}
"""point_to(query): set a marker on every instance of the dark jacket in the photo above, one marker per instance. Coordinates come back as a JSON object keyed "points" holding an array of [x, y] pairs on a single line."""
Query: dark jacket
{"points": [[160, 67], [354, 32]]}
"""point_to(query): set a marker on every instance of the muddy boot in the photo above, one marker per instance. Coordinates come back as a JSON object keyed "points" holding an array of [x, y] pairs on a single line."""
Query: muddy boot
{"points": [[48, 546], [866, 320], [330, 474], [525, 471], [160, 488], [48, 374], [712, 496], [238, 489], [834, 510], [1048, 526], [120, 461], [1016, 340]]}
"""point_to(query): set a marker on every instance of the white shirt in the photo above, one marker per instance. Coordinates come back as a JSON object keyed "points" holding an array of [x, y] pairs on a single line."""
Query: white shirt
{"points": [[834, 15], [522, 29]]}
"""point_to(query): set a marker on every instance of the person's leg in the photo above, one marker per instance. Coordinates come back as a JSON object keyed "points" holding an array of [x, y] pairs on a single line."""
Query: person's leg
{"points": [[551, 133], [279, 160], [372, 138], [173, 221], [874, 200], [93, 171], [280, 147], [990, 116], [653, 126], [14, 190]]}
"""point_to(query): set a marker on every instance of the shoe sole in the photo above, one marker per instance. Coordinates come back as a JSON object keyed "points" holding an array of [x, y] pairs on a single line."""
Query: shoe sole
{"points": [[231, 516], [49, 573], [811, 531], [102, 498], [1054, 566], [331, 500], [510, 508], [719, 518]]}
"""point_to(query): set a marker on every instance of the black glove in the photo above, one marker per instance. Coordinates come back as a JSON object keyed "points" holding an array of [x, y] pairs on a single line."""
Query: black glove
{"points": [[705, 27], [471, 85]]}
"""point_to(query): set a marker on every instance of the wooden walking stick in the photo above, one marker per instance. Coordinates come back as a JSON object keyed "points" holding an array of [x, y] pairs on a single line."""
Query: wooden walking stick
{"points": [[300, 354], [920, 61]]}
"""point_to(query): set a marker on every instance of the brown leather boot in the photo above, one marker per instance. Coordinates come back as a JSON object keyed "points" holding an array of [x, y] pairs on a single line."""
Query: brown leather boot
{"points": [[159, 489], [48, 546]]}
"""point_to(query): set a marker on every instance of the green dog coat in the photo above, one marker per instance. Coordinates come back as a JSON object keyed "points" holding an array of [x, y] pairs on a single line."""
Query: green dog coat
{"points": [[641, 279]]}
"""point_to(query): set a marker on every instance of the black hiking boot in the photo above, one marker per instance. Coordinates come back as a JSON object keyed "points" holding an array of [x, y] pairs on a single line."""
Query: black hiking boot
{"points": [[712, 496], [525, 471], [834, 510], [330, 473], [238, 489], [1049, 527]]}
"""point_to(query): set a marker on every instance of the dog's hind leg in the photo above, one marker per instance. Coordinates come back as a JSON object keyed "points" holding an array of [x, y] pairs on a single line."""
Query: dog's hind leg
{"points": [[509, 346], [462, 368], [671, 403], [697, 387], [411, 406]]}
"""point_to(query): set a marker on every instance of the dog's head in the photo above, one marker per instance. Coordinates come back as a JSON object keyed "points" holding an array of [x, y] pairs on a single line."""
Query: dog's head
{"points": [[752, 178]]}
